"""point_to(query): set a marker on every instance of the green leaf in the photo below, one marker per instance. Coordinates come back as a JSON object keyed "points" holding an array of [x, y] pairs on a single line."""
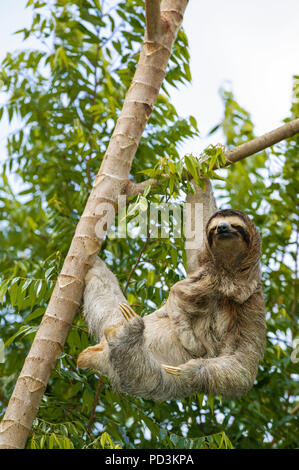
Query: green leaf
{"points": [[174, 439], [13, 290], [3, 289], [35, 314]]}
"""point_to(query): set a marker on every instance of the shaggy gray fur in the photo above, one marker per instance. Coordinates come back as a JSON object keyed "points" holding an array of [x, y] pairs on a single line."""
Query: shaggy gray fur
{"points": [[212, 326]]}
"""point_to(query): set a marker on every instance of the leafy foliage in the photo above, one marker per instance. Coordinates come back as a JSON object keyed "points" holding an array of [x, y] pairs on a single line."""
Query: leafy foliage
{"points": [[266, 187], [63, 101]]}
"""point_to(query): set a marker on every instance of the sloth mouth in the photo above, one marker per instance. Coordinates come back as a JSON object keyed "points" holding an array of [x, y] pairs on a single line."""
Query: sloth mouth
{"points": [[226, 235]]}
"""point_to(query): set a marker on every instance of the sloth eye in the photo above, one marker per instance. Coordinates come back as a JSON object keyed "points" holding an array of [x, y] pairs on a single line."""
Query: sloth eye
{"points": [[236, 226]]}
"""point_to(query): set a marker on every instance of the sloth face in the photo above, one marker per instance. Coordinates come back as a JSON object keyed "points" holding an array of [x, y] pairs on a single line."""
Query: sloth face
{"points": [[228, 235], [227, 229]]}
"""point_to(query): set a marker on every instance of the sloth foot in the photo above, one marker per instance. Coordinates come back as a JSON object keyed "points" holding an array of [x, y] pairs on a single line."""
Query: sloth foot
{"points": [[91, 357], [172, 370]]}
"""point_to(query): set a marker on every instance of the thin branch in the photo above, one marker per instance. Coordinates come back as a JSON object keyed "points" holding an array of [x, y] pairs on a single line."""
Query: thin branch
{"points": [[2, 398], [138, 188], [94, 405], [239, 153], [263, 142], [137, 262], [295, 300], [294, 410], [153, 19]]}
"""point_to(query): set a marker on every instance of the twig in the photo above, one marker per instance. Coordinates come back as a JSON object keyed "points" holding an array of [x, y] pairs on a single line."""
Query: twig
{"points": [[137, 262], [94, 405], [138, 188], [153, 19], [2, 398], [239, 153], [294, 410], [295, 300]]}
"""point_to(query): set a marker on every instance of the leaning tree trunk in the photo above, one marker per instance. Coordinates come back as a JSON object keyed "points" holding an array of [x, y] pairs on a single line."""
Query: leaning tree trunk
{"points": [[163, 23]]}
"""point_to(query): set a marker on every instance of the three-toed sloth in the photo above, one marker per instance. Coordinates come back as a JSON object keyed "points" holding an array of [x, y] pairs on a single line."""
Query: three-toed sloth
{"points": [[207, 338]]}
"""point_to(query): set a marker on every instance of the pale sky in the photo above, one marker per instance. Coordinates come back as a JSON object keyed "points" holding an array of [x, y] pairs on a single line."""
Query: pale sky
{"points": [[253, 44]]}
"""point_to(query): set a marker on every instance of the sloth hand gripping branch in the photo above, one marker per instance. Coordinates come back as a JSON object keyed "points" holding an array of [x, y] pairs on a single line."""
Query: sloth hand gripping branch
{"points": [[209, 336]]}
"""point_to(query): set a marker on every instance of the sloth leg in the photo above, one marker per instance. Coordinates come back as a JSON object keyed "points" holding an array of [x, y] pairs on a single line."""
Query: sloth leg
{"points": [[127, 355], [135, 369], [102, 296], [95, 357]]}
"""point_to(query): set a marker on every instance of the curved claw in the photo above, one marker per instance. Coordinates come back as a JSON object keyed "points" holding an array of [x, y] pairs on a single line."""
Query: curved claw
{"points": [[172, 370], [127, 312]]}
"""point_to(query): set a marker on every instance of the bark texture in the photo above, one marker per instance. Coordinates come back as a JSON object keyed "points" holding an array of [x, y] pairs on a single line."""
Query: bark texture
{"points": [[110, 182], [263, 142], [202, 206]]}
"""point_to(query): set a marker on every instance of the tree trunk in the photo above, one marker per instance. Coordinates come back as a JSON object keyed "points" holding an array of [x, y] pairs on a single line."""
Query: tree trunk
{"points": [[202, 206], [163, 24]]}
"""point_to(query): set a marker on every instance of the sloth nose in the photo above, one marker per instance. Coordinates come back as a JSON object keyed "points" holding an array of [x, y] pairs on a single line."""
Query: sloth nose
{"points": [[222, 228]]}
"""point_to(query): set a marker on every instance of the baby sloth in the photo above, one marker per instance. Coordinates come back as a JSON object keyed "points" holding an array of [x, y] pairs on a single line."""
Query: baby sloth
{"points": [[208, 337]]}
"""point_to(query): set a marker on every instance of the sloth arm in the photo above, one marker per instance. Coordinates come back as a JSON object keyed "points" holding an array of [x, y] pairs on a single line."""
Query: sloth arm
{"points": [[233, 372]]}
